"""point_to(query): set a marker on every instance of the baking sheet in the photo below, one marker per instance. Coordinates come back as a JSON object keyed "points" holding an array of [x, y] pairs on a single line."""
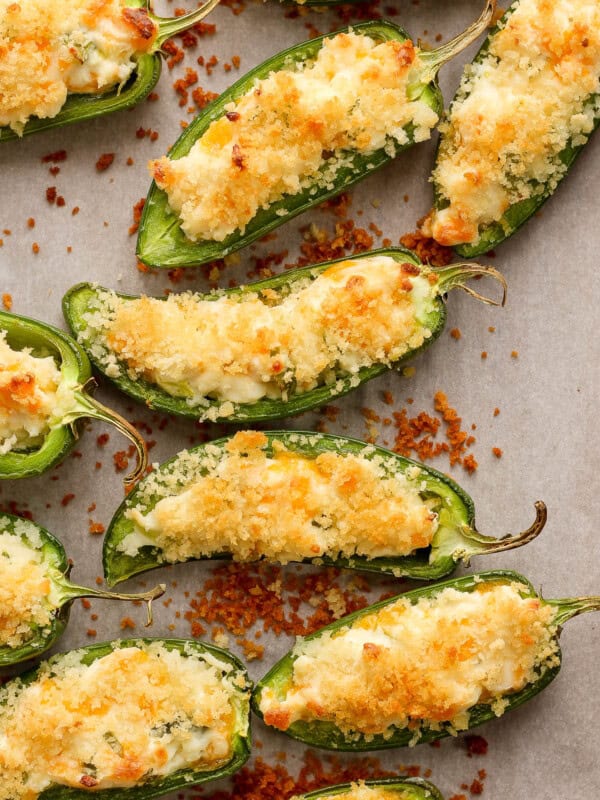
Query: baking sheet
{"points": [[547, 396]]}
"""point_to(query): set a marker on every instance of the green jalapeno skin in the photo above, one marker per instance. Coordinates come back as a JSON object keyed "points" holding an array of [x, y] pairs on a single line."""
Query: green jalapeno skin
{"points": [[161, 241], [46, 340], [413, 788], [327, 735], [493, 234], [456, 538], [80, 298], [81, 107], [184, 777], [62, 593]]}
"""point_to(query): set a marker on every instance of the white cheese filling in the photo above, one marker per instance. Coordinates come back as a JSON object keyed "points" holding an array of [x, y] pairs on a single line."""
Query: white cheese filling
{"points": [[240, 349], [529, 98], [33, 397], [285, 507], [25, 587], [419, 665], [51, 48], [276, 139], [137, 713]]}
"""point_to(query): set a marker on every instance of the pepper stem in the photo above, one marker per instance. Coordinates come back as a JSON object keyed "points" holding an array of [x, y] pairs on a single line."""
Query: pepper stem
{"points": [[434, 59], [456, 275], [170, 26], [572, 606], [477, 544], [71, 591], [88, 407]]}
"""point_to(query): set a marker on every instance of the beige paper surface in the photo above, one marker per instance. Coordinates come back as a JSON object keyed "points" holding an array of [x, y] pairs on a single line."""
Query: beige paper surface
{"points": [[547, 396]]}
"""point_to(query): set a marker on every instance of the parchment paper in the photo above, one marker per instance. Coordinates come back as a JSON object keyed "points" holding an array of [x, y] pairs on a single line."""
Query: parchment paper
{"points": [[548, 421]]}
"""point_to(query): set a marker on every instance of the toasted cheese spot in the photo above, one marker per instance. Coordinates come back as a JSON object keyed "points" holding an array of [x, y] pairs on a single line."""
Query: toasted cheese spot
{"points": [[360, 791], [52, 48], [531, 96], [135, 714], [32, 395], [25, 587], [421, 665], [295, 129], [241, 348], [287, 507]]}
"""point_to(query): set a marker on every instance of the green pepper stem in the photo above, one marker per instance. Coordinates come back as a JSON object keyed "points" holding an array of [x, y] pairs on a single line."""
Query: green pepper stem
{"points": [[569, 607], [456, 275], [434, 59], [86, 406], [170, 26], [474, 543], [70, 591]]}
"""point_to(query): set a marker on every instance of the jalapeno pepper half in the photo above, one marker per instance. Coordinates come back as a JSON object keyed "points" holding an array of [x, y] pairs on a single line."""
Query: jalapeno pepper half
{"points": [[455, 539], [80, 107], [161, 241], [54, 569], [44, 340], [323, 733], [185, 776], [407, 788], [490, 234], [84, 297]]}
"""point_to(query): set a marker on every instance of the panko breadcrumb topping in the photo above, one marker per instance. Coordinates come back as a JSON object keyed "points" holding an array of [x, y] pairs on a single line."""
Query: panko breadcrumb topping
{"points": [[32, 395], [532, 95], [296, 128], [283, 507], [242, 348], [51, 48], [25, 586], [134, 714], [419, 665]]}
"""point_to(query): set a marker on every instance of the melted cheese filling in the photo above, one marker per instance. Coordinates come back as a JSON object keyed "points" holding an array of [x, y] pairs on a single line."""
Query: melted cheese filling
{"points": [[51, 48], [360, 791], [286, 507], [293, 128], [32, 397], [419, 665], [515, 112], [24, 588], [241, 349], [135, 714]]}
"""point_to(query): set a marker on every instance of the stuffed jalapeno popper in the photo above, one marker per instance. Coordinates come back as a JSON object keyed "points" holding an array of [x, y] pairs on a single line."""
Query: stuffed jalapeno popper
{"points": [[129, 720], [44, 375], [299, 128], [297, 496], [36, 593], [273, 348], [524, 110], [420, 666], [64, 61], [383, 789]]}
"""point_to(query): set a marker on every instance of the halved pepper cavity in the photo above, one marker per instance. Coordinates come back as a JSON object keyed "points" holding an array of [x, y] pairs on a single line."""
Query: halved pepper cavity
{"points": [[27, 457], [333, 136], [262, 354], [272, 495]]}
